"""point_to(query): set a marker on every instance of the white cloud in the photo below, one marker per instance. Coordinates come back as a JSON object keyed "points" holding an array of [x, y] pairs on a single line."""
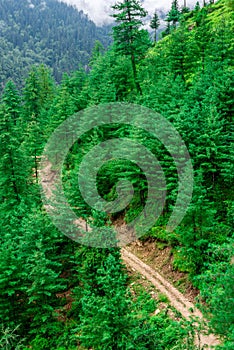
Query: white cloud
{"points": [[99, 10]]}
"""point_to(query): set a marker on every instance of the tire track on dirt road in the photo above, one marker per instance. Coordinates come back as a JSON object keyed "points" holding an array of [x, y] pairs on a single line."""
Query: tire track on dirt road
{"points": [[177, 299]]}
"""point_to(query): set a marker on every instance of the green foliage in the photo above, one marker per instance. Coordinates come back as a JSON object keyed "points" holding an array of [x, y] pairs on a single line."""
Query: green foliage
{"points": [[174, 14], [62, 294], [216, 284], [9, 339], [105, 317], [52, 33], [129, 39], [154, 24], [109, 317]]}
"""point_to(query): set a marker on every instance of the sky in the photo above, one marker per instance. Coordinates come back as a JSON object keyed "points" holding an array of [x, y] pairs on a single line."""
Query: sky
{"points": [[99, 10]]}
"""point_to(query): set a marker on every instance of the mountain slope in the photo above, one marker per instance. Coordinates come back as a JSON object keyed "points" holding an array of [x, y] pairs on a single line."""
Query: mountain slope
{"points": [[50, 32]]}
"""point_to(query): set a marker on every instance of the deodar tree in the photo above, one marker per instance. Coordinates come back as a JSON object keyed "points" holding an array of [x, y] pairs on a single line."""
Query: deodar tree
{"points": [[129, 39], [154, 24], [173, 15]]}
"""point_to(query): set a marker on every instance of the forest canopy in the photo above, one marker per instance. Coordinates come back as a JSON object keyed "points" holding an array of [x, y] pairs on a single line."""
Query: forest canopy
{"points": [[48, 32], [54, 292]]}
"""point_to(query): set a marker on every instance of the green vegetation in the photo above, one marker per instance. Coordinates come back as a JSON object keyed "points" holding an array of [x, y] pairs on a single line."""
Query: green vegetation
{"points": [[48, 32], [57, 294], [154, 24]]}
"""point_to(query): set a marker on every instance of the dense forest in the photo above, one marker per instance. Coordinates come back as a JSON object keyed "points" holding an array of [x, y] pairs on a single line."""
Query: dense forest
{"points": [[56, 293], [48, 32]]}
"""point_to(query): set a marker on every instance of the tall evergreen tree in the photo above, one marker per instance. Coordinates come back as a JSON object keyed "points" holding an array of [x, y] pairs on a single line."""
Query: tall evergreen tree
{"points": [[154, 24], [38, 95], [105, 318], [129, 38], [12, 161], [174, 14]]}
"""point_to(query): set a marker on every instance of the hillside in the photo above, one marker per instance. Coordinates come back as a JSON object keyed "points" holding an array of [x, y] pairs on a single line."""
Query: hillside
{"points": [[49, 32], [138, 148]]}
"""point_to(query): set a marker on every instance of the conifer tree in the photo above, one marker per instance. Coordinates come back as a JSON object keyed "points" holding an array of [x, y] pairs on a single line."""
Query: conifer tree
{"points": [[62, 107], [38, 92], [216, 285], [174, 14], [41, 293], [38, 95], [197, 7], [178, 52], [97, 51], [105, 318], [12, 278], [12, 161], [129, 38], [154, 24]]}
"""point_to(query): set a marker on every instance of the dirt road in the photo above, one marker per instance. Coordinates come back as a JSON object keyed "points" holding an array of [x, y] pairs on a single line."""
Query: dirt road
{"points": [[177, 299]]}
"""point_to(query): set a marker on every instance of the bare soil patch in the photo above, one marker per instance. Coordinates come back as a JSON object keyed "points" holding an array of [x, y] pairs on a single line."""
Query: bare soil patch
{"points": [[186, 308], [162, 260]]}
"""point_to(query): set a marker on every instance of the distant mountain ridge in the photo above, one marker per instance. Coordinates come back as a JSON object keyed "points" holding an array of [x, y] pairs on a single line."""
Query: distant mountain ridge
{"points": [[44, 31]]}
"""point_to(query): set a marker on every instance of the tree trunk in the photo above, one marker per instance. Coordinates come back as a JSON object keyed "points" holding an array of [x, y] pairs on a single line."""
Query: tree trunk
{"points": [[133, 59]]}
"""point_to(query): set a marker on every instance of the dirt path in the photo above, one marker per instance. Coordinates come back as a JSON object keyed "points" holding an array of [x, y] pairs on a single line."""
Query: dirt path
{"points": [[177, 299]]}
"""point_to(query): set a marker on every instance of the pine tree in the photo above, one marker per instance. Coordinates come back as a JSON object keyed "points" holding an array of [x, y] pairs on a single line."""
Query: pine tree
{"points": [[129, 38], [154, 24], [174, 14], [13, 169], [63, 107], [97, 51], [12, 278], [216, 285], [44, 284], [197, 7], [105, 317], [178, 52], [38, 96]]}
